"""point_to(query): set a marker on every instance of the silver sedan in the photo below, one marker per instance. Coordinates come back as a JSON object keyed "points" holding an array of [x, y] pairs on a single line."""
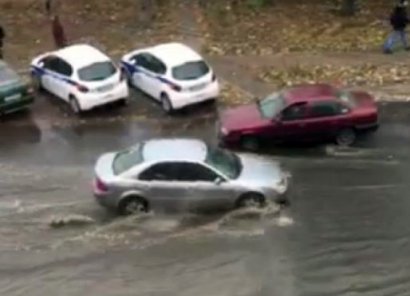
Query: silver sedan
{"points": [[185, 174]]}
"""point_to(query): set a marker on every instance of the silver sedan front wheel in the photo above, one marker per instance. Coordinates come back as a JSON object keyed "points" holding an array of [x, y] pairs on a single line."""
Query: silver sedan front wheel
{"points": [[251, 200]]}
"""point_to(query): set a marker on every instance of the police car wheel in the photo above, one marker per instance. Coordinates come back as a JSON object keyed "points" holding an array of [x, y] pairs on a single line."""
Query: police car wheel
{"points": [[166, 103], [75, 107]]}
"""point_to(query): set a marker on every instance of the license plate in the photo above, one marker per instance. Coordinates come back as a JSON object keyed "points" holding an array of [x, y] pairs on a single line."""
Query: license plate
{"points": [[197, 87], [105, 88], [200, 96], [12, 98]]}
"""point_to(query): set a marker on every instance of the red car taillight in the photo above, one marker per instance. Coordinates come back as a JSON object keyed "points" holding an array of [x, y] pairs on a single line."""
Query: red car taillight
{"points": [[82, 88], [100, 185]]}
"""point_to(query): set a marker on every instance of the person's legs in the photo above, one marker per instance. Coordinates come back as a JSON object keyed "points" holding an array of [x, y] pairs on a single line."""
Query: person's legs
{"points": [[391, 39], [403, 38]]}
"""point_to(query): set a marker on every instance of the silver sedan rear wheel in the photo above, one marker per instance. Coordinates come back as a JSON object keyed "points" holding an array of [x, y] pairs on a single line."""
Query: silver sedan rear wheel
{"points": [[133, 206]]}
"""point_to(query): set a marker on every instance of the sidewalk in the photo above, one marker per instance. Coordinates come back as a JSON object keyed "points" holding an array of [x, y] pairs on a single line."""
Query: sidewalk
{"points": [[242, 71]]}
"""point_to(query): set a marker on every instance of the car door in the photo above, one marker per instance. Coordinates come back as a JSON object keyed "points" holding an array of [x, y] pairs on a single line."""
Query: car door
{"points": [[207, 189], [162, 187], [154, 69], [139, 61], [291, 124], [48, 64], [324, 118], [63, 82], [56, 81]]}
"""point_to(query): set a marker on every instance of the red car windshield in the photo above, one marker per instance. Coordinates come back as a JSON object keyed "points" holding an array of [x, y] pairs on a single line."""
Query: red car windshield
{"points": [[346, 97], [272, 105]]}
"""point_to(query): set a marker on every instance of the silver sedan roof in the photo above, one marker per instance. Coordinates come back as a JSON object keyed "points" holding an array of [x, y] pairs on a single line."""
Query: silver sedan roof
{"points": [[174, 150]]}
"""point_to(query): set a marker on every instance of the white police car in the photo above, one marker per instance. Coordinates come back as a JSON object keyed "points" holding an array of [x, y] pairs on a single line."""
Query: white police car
{"points": [[81, 75], [172, 73]]}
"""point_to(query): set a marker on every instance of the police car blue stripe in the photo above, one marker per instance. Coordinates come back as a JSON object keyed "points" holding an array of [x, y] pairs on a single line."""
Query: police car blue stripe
{"points": [[38, 71], [131, 69]]}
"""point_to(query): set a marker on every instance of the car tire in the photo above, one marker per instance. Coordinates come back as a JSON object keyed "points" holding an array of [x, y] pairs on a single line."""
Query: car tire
{"points": [[250, 143], [251, 199], [75, 106], [123, 102], [133, 205], [36, 83], [346, 137], [166, 104]]}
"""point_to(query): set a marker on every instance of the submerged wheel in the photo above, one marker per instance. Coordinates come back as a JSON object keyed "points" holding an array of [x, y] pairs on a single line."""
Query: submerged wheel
{"points": [[251, 200], [346, 137], [133, 205]]}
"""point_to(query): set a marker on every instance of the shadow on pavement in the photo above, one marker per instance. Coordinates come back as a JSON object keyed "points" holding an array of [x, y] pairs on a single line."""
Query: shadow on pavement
{"points": [[19, 128]]}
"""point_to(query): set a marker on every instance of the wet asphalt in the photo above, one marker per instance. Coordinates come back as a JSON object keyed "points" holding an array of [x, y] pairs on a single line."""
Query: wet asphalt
{"points": [[346, 232]]}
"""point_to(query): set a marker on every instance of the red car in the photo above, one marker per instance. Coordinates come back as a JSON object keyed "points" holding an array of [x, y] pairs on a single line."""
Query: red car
{"points": [[304, 112]]}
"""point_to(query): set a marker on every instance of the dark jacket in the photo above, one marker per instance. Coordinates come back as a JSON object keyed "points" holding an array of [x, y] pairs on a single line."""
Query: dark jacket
{"points": [[399, 18], [2, 35], [58, 33]]}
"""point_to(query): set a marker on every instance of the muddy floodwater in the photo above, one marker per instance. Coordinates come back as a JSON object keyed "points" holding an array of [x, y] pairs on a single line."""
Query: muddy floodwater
{"points": [[346, 232]]}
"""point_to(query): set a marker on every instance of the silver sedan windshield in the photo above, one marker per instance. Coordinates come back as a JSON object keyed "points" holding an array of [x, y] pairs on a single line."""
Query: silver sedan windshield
{"points": [[224, 161], [126, 159]]}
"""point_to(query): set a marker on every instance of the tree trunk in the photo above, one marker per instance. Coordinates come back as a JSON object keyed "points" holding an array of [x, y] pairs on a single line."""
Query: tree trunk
{"points": [[349, 7]]}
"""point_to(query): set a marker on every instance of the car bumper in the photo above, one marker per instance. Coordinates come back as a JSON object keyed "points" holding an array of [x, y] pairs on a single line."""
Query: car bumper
{"points": [[368, 127], [90, 100], [182, 99], [14, 106], [105, 200]]}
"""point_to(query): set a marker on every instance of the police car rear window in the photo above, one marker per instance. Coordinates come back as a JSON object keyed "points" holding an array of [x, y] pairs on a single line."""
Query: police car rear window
{"points": [[190, 70], [97, 71]]}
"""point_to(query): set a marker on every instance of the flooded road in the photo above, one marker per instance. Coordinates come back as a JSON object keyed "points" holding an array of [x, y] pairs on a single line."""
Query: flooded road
{"points": [[346, 232]]}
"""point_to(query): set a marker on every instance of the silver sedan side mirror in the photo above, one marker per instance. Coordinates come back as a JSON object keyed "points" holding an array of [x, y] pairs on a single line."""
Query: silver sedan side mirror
{"points": [[218, 181]]}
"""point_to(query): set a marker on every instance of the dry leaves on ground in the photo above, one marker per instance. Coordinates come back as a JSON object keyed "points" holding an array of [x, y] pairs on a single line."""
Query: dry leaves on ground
{"points": [[232, 94], [294, 26], [366, 74]]}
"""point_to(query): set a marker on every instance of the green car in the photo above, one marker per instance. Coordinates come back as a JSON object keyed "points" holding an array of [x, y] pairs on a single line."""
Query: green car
{"points": [[14, 93]]}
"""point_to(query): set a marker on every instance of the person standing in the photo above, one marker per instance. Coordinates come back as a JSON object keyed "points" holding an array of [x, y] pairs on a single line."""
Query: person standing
{"points": [[52, 7], [2, 36], [58, 32], [399, 21]]}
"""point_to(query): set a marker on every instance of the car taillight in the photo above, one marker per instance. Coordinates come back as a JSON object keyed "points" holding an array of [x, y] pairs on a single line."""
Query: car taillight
{"points": [[82, 88], [100, 186], [175, 87]]}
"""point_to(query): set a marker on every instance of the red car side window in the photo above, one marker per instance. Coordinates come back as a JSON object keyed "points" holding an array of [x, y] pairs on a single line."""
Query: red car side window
{"points": [[326, 109], [295, 112]]}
